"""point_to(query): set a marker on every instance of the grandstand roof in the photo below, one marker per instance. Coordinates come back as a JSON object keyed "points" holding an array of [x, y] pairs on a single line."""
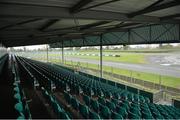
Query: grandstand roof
{"points": [[84, 22]]}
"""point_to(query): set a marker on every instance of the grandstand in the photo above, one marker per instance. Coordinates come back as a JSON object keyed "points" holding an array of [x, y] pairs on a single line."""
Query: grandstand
{"points": [[31, 89]]}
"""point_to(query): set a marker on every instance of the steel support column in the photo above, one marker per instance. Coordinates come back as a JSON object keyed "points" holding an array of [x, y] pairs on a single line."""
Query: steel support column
{"points": [[47, 53], [101, 72], [62, 52]]}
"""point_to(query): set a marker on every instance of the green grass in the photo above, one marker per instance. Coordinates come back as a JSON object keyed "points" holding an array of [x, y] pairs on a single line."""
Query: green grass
{"points": [[124, 57], [165, 80]]}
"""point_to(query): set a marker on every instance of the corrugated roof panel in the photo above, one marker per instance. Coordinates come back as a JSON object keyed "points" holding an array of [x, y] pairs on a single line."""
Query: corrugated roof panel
{"points": [[66, 23], [113, 23], [165, 12], [123, 6], [36, 24], [61, 3]]}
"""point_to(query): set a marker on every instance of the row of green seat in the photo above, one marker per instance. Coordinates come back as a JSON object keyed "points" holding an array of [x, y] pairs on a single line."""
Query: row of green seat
{"points": [[57, 107], [95, 86], [3, 58], [131, 105], [83, 109], [21, 105]]}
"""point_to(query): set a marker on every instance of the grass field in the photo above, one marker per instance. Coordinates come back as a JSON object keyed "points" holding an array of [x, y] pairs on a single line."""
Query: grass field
{"points": [[124, 57]]}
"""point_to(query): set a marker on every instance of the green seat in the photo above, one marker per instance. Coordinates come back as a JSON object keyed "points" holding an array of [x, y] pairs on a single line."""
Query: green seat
{"points": [[95, 105], [21, 117], [84, 110], [63, 115], [93, 115], [117, 96], [90, 92], [133, 116], [122, 111], [109, 94], [74, 103], [19, 107], [135, 111], [147, 100], [125, 105], [67, 97], [116, 116], [102, 100], [16, 89], [17, 96], [56, 107], [15, 84], [136, 98], [86, 100], [105, 112], [100, 93], [110, 105], [115, 101], [146, 115], [130, 97]]}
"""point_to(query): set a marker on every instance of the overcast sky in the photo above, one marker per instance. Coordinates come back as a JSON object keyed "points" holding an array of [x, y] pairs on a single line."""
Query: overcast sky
{"points": [[35, 47]]}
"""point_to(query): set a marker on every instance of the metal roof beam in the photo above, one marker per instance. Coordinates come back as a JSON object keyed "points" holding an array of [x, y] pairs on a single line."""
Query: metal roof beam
{"points": [[19, 23], [79, 5], [122, 24], [93, 25], [155, 7], [97, 5], [170, 16], [48, 24]]}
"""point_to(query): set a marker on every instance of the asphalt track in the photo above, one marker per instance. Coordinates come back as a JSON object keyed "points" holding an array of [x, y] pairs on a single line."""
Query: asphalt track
{"points": [[149, 68]]}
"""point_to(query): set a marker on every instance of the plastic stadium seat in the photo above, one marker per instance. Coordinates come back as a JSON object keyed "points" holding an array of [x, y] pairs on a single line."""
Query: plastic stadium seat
{"points": [[102, 100], [63, 115], [116, 116], [146, 115], [109, 94], [115, 101], [133, 116], [95, 105], [93, 115], [125, 105], [105, 112], [117, 96], [19, 107], [141, 99], [90, 92], [84, 110], [67, 97], [135, 111], [122, 111], [74, 103], [110, 105], [16, 89], [130, 97], [17, 96], [79, 90], [86, 100], [21, 117], [56, 107], [124, 95], [147, 100], [100, 93]]}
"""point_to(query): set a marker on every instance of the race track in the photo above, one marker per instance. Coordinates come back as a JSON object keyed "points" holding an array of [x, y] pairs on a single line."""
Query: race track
{"points": [[149, 68]]}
